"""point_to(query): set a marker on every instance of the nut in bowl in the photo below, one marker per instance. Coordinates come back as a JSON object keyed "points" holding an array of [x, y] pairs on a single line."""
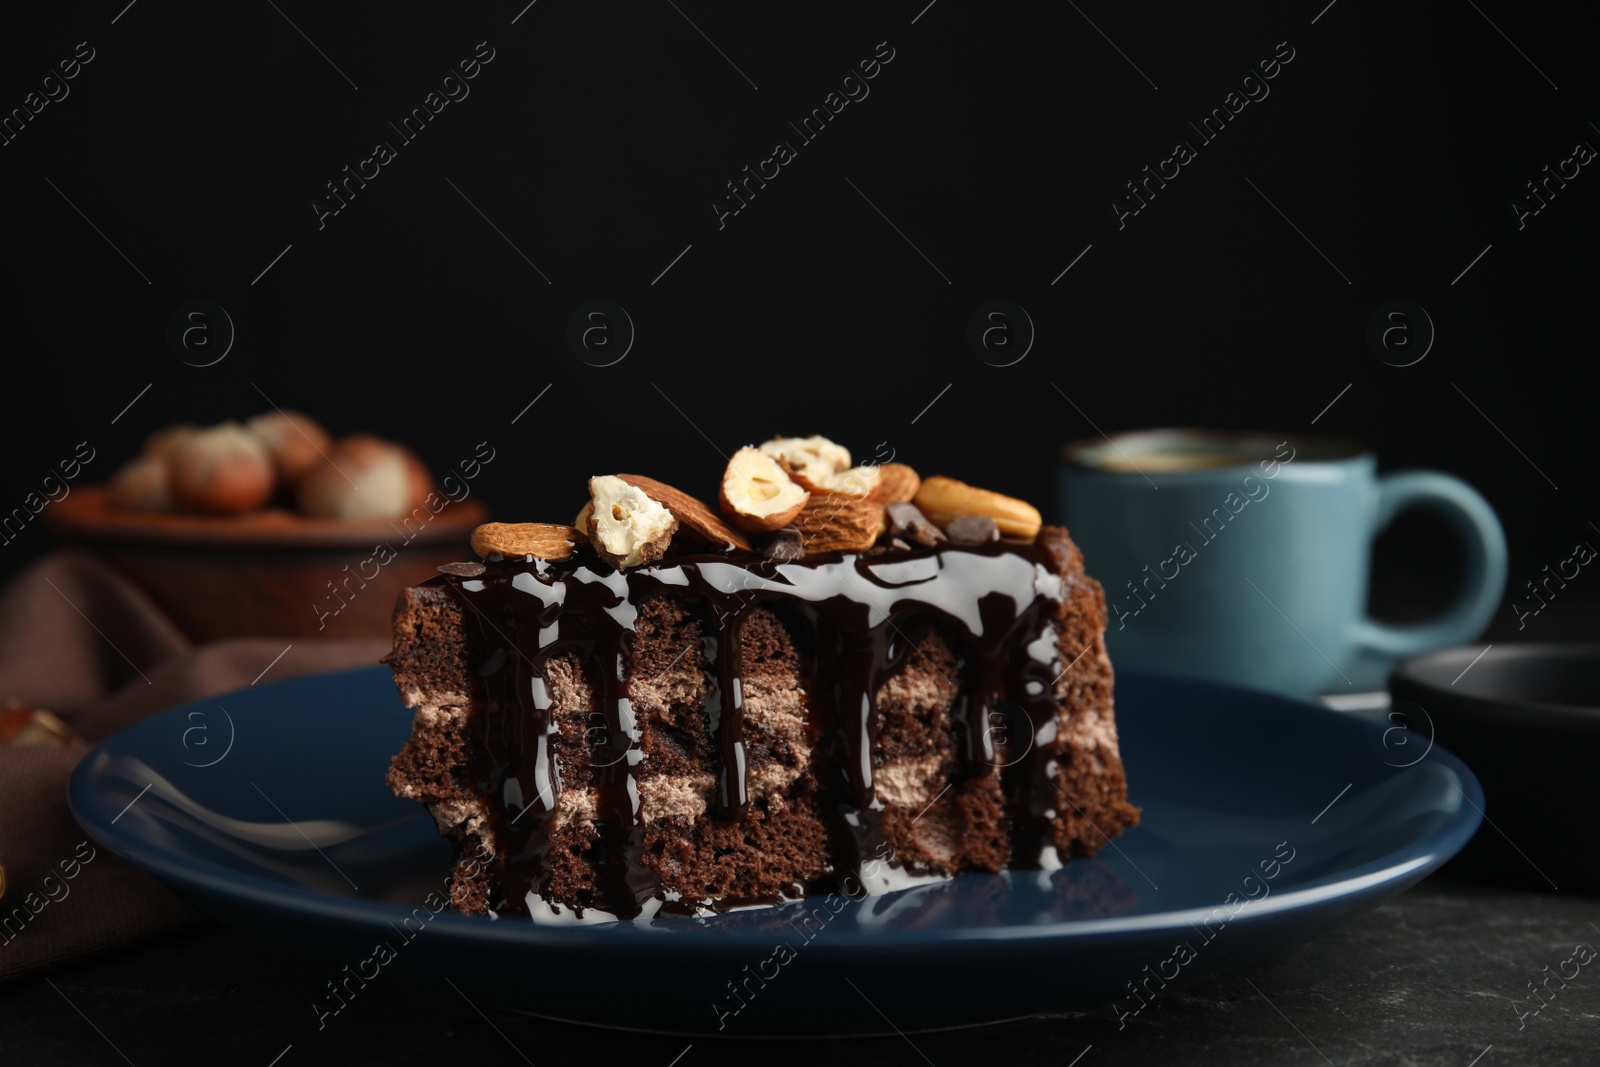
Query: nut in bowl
{"points": [[272, 527]]}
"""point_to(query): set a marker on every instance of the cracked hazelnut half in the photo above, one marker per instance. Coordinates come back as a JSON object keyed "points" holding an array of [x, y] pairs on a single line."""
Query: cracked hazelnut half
{"points": [[757, 494], [808, 454], [626, 527], [820, 466]]}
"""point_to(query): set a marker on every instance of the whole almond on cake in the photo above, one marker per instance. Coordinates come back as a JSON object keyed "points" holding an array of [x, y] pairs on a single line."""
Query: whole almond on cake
{"points": [[536, 540], [944, 500]]}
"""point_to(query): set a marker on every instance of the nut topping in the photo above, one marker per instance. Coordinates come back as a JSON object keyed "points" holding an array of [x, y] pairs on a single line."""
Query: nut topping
{"points": [[832, 522], [907, 522], [821, 466], [897, 484], [541, 540], [943, 500], [972, 530], [757, 494], [697, 519], [626, 527]]}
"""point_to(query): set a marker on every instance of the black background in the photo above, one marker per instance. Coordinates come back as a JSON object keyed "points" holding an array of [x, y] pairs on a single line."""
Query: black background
{"points": [[995, 140]]}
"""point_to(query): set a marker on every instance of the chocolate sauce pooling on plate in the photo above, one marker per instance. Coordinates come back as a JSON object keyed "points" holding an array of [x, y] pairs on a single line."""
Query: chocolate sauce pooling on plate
{"points": [[865, 614]]}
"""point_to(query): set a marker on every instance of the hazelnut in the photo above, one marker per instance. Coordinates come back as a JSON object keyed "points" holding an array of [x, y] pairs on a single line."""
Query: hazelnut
{"points": [[144, 483], [627, 527], [297, 442], [225, 470], [820, 466], [366, 478], [757, 494], [167, 441], [811, 456]]}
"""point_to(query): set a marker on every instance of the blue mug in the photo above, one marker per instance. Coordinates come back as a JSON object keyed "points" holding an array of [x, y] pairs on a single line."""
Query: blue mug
{"points": [[1245, 557]]}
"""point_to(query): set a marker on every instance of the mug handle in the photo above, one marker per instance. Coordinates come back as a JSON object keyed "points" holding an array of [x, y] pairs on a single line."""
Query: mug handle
{"points": [[1478, 529]]}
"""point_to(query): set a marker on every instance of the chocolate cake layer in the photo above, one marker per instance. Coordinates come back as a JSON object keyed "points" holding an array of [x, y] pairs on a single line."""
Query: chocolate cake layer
{"points": [[710, 731]]}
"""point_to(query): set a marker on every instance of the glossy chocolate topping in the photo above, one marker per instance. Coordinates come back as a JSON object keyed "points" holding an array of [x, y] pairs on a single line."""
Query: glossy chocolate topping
{"points": [[864, 613]]}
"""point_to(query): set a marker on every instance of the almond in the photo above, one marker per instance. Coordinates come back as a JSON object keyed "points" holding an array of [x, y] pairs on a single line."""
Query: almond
{"points": [[839, 522], [943, 500], [541, 540], [696, 518], [897, 484], [757, 494]]}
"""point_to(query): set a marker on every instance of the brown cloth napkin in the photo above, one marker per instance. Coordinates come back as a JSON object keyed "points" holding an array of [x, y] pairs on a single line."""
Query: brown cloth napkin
{"points": [[78, 638]]}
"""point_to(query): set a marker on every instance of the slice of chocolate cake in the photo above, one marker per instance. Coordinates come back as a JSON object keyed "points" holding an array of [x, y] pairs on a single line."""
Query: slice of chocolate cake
{"points": [[667, 713]]}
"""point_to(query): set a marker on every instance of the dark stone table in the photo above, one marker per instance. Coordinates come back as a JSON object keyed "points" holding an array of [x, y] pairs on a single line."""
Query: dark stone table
{"points": [[1439, 975]]}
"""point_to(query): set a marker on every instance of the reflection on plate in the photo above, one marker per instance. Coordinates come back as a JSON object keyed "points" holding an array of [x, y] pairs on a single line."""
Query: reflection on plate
{"points": [[1265, 820]]}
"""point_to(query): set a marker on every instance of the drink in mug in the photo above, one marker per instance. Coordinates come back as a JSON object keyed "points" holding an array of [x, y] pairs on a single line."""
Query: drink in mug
{"points": [[1245, 557]]}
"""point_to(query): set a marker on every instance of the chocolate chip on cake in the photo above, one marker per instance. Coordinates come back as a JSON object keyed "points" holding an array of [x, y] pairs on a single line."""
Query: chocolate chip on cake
{"points": [[784, 546], [972, 530], [907, 520]]}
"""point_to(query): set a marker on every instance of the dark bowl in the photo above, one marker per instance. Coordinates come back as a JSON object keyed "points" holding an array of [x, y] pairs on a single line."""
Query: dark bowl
{"points": [[1526, 719]]}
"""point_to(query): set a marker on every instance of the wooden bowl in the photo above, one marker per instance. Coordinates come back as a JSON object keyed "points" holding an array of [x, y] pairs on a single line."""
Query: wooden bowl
{"points": [[271, 573]]}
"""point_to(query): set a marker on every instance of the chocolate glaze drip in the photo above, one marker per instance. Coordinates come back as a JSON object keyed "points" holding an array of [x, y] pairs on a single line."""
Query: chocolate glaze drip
{"points": [[725, 712], [865, 614]]}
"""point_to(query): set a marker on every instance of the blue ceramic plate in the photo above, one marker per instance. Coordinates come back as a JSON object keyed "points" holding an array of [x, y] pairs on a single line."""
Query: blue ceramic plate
{"points": [[1265, 820]]}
